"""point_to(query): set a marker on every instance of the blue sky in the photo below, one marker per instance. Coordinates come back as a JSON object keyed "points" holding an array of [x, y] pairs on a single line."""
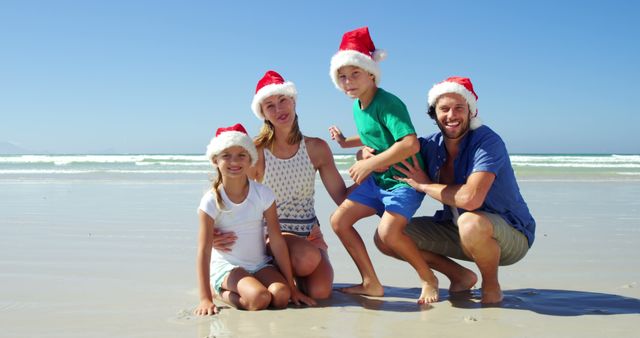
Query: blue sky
{"points": [[161, 76]]}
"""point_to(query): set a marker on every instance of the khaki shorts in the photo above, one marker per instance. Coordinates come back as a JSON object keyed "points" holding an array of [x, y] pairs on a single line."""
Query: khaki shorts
{"points": [[443, 238]]}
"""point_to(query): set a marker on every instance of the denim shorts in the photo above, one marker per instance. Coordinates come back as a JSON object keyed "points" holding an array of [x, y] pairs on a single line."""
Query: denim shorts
{"points": [[220, 269], [403, 200]]}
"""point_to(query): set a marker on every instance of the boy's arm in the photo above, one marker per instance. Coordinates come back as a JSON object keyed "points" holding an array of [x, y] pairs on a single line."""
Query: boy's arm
{"points": [[344, 142], [203, 261], [281, 253], [399, 151]]}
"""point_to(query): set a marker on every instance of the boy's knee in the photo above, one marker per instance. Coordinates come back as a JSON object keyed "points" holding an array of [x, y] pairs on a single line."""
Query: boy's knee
{"points": [[280, 295], [382, 247]]}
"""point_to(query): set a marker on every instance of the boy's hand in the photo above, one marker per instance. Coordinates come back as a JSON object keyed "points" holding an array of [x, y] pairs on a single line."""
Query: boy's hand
{"points": [[206, 308], [337, 135], [224, 241], [359, 171], [368, 152]]}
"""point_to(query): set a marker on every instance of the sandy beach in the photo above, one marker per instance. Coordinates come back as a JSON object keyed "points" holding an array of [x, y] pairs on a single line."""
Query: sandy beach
{"points": [[113, 257]]}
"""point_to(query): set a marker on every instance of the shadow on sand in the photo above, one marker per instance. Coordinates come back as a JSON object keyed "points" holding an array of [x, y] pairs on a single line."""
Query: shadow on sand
{"points": [[543, 301]]}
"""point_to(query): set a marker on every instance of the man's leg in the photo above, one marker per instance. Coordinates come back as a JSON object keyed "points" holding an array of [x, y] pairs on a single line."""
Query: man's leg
{"points": [[342, 222], [478, 242]]}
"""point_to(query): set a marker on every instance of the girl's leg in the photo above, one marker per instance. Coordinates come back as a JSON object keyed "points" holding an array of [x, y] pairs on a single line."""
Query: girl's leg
{"points": [[277, 286], [244, 291]]}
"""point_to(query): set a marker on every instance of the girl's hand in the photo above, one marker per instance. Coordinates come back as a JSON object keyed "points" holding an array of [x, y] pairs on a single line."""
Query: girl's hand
{"points": [[206, 308], [298, 297], [224, 241], [415, 176], [337, 135]]}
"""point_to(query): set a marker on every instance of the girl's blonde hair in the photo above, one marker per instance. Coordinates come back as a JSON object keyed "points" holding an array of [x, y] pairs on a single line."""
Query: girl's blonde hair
{"points": [[217, 182], [267, 134]]}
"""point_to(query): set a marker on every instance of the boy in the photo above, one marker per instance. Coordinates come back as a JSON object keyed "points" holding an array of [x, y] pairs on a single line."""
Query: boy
{"points": [[384, 125]]}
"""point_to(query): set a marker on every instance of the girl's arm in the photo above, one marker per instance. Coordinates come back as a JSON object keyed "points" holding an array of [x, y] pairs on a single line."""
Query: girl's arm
{"points": [[203, 261], [281, 253], [344, 142]]}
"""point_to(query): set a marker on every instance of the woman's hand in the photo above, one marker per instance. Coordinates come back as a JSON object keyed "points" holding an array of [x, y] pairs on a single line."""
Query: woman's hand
{"points": [[206, 308], [224, 241]]}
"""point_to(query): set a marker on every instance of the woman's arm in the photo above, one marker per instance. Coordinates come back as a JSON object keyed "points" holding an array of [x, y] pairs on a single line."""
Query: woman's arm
{"points": [[281, 253], [322, 158], [203, 261]]}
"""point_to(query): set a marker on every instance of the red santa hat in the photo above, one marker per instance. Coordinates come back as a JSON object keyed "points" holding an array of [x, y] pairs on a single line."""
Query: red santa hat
{"points": [[357, 49], [228, 137], [461, 86], [271, 84]]}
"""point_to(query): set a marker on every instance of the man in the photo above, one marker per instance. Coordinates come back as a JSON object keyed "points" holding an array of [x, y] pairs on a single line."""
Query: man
{"points": [[484, 219]]}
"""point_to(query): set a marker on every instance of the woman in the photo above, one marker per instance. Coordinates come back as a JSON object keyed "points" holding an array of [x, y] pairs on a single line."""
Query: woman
{"points": [[287, 163]]}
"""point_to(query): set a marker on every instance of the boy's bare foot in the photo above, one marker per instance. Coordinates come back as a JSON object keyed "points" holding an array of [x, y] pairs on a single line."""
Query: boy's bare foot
{"points": [[463, 282], [429, 292], [362, 289], [491, 294]]}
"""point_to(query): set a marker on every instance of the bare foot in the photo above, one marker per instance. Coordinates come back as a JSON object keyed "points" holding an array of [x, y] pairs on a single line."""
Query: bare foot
{"points": [[491, 294], [362, 289], [429, 292], [464, 282]]}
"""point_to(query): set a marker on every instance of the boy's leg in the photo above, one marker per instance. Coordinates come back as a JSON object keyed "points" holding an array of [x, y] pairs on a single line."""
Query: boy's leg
{"points": [[277, 285], [391, 233], [342, 222]]}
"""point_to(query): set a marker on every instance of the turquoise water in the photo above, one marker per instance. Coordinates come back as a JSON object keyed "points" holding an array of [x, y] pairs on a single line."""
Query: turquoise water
{"points": [[526, 166]]}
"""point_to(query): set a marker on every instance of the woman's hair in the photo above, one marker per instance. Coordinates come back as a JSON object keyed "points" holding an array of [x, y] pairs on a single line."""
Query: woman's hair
{"points": [[267, 134]]}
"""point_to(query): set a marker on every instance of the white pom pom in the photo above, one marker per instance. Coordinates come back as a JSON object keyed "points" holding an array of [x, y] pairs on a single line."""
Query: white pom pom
{"points": [[379, 55]]}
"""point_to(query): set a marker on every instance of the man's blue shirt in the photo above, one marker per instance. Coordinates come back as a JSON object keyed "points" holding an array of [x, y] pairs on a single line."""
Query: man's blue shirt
{"points": [[482, 150]]}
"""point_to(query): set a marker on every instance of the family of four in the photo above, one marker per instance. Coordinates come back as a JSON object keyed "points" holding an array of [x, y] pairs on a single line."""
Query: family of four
{"points": [[268, 183]]}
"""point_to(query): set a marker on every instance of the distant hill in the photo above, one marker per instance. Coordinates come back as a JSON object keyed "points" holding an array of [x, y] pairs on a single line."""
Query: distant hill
{"points": [[8, 148]]}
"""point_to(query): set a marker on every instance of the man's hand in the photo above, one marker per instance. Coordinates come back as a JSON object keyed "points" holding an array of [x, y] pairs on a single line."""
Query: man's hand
{"points": [[415, 176], [224, 241]]}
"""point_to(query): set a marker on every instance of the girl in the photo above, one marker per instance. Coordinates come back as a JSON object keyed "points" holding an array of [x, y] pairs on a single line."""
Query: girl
{"points": [[242, 276]]}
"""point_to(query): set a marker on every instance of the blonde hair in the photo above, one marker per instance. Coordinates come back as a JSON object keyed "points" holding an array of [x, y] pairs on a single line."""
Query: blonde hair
{"points": [[217, 181], [267, 134]]}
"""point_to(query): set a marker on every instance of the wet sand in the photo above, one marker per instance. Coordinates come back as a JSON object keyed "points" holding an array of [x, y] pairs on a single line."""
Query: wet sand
{"points": [[105, 258]]}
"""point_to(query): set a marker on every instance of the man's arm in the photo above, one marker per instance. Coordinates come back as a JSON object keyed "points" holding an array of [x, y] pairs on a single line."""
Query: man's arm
{"points": [[468, 196]]}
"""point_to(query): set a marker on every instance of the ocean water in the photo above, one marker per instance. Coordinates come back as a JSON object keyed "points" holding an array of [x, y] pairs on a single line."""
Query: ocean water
{"points": [[527, 166]]}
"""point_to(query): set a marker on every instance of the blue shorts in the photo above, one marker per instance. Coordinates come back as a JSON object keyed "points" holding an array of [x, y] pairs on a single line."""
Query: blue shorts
{"points": [[403, 200]]}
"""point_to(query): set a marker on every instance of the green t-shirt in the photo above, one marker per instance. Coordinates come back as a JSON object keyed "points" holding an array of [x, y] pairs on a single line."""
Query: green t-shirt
{"points": [[380, 125]]}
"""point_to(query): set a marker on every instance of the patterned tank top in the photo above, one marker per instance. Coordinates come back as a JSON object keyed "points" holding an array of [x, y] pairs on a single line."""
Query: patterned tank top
{"points": [[293, 182]]}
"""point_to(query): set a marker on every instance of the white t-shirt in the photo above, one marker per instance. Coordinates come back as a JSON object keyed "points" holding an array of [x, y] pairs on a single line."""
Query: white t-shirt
{"points": [[246, 220]]}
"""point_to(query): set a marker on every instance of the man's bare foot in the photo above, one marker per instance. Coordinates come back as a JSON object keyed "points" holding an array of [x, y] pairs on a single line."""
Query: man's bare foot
{"points": [[491, 294], [429, 292], [362, 289], [463, 282]]}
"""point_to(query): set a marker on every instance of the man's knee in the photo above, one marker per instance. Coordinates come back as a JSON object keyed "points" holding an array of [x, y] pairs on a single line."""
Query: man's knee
{"points": [[474, 226]]}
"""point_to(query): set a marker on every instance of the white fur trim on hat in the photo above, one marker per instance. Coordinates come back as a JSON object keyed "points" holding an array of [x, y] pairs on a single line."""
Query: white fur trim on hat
{"points": [[354, 58], [286, 88], [451, 87], [229, 139]]}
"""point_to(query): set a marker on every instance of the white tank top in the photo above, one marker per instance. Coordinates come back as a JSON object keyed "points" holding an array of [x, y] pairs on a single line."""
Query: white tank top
{"points": [[293, 182]]}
